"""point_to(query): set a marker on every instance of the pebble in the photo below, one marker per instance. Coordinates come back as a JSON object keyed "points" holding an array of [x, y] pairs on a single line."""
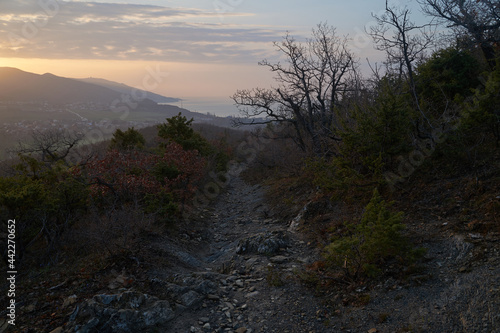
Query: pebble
{"points": [[252, 294], [278, 259], [213, 297], [57, 330], [69, 301]]}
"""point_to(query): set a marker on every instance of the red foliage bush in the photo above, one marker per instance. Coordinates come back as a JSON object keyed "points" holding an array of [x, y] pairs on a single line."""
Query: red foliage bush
{"points": [[133, 174]]}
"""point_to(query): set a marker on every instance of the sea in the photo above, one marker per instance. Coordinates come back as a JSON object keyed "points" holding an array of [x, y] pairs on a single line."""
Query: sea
{"points": [[218, 106]]}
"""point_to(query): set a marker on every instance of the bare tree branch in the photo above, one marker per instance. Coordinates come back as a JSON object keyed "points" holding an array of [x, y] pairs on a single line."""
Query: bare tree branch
{"points": [[312, 82], [52, 146], [404, 43], [480, 19]]}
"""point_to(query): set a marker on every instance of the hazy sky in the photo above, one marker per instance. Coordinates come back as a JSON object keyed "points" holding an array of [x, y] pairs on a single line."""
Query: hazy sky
{"points": [[187, 49]]}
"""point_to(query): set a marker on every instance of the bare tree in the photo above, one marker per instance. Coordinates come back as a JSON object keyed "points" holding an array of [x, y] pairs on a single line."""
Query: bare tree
{"points": [[52, 146], [480, 19], [404, 42], [311, 84]]}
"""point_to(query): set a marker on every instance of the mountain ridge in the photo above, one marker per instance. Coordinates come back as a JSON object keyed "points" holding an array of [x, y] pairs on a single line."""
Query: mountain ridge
{"points": [[125, 89], [17, 85]]}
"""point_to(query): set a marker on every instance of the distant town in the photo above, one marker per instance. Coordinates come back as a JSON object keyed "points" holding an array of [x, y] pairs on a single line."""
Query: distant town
{"points": [[19, 120]]}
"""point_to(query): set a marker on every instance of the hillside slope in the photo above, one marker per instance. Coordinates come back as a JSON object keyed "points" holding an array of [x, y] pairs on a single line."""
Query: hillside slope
{"points": [[17, 85], [124, 89]]}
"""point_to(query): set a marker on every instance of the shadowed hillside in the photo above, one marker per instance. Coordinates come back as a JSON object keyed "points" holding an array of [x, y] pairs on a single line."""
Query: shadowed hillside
{"points": [[17, 85], [124, 89]]}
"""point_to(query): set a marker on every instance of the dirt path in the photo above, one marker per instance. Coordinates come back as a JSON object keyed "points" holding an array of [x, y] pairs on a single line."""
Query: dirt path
{"points": [[253, 259], [236, 272], [457, 291]]}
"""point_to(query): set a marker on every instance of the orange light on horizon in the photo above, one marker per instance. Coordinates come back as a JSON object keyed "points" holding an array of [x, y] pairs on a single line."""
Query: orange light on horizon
{"points": [[177, 79]]}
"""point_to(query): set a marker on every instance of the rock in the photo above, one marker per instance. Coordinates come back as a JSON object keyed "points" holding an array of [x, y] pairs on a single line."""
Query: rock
{"points": [[122, 313], [191, 298], [372, 330], [57, 330], [204, 319], [251, 262], [252, 294], [239, 283], [213, 297], [112, 285], [241, 330], [294, 224], [206, 287], [264, 243], [29, 308], [278, 259], [69, 301], [123, 280], [206, 326]]}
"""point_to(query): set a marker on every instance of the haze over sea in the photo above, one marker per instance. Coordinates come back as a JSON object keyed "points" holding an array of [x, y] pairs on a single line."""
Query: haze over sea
{"points": [[218, 106]]}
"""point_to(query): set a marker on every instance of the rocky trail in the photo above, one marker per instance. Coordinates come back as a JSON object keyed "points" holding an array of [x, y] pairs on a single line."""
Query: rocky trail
{"points": [[239, 274], [252, 262]]}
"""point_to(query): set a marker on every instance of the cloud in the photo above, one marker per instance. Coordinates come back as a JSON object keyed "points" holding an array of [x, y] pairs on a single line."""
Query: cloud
{"points": [[56, 29]]}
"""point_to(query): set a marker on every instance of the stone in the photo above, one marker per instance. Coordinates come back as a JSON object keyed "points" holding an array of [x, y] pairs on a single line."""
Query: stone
{"points": [[69, 301], [213, 297], [241, 330], [206, 287], [252, 294], [264, 243], [126, 312], [29, 308], [278, 259], [57, 330], [372, 330], [191, 298]]}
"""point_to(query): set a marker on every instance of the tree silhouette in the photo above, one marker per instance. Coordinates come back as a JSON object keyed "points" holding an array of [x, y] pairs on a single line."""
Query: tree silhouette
{"points": [[311, 84]]}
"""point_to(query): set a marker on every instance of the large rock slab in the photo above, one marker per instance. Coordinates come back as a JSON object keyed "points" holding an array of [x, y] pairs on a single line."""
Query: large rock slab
{"points": [[265, 243], [122, 313]]}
